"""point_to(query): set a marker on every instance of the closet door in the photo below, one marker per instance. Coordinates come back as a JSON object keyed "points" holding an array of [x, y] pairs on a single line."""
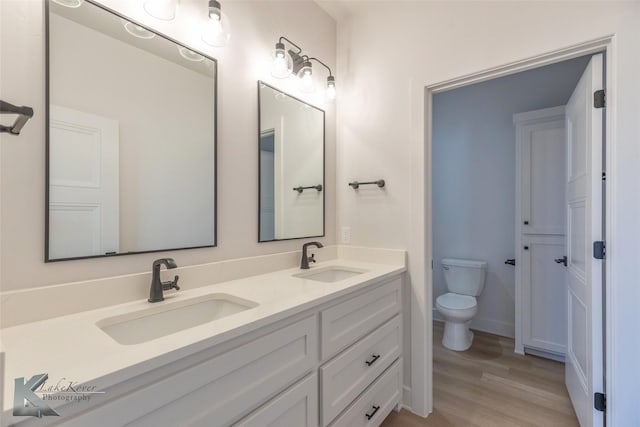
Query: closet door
{"points": [[540, 231]]}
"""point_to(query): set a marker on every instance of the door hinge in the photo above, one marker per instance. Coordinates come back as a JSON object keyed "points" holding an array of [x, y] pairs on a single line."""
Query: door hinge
{"points": [[599, 98], [600, 401], [599, 249], [604, 176]]}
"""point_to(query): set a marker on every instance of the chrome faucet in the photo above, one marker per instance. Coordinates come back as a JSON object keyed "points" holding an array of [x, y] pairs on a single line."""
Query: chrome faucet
{"points": [[157, 286], [304, 262]]}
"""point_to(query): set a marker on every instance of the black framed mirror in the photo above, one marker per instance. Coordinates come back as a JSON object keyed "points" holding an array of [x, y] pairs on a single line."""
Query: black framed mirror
{"points": [[131, 137], [291, 144]]}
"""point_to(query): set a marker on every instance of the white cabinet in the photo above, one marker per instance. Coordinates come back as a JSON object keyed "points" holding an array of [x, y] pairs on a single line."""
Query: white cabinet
{"points": [[540, 229], [276, 377], [220, 390], [350, 373]]}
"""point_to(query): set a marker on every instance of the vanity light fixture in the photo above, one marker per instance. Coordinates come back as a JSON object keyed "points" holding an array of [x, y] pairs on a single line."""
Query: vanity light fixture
{"points": [[284, 63], [69, 3], [216, 30], [137, 30], [162, 9]]}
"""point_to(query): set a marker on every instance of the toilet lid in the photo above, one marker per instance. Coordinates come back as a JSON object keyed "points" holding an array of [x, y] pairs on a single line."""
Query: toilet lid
{"points": [[456, 301]]}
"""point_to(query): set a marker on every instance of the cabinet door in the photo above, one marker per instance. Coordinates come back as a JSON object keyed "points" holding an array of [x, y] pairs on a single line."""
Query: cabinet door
{"points": [[544, 294], [347, 322], [297, 406], [373, 406], [542, 168]]}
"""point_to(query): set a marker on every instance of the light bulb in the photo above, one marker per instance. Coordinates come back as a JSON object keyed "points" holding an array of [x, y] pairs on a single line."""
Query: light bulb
{"points": [[162, 9], [331, 87], [216, 31], [305, 75], [281, 64]]}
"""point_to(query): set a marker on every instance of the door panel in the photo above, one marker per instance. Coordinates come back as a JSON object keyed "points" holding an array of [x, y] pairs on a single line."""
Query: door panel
{"points": [[544, 288], [545, 198], [83, 186], [584, 367]]}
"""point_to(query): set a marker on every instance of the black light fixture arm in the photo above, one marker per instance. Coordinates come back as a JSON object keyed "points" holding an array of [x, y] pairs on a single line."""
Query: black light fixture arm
{"points": [[291, 43], [321, 63]]}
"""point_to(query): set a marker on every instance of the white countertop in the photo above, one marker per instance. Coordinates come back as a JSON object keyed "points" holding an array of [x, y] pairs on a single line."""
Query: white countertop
{"points": [[73, 347]]}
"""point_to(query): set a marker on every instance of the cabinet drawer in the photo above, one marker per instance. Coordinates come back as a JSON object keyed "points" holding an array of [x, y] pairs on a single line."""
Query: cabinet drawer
{"points": [[347, 322], [297, 406], [348, 374], [220, 390], [376, 402]]}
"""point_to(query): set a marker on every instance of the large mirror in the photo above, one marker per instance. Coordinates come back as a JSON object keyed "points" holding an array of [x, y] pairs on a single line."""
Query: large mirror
{"points": [[291, 167], [131, 138]]}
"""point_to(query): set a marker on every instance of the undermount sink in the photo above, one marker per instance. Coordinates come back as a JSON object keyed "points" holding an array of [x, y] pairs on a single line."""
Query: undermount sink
{"points": [[330, 274], [155, 322]]}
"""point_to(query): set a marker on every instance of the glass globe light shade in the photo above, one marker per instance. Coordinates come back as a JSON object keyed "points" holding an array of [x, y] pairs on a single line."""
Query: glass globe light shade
{"points": [[161, 9], [217, 30], [281, 63], [306, 84], [331, 88]]}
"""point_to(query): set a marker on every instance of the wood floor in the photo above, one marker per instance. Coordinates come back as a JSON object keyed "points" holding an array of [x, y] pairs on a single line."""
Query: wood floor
{"points": [[489, 385]]}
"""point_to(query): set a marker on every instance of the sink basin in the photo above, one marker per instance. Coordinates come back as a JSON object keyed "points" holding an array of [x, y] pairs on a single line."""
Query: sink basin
{"points": [[155, 322], [330, 274]]}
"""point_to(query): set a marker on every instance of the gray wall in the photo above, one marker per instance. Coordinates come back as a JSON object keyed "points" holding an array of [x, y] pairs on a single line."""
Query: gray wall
{"points": [[474, 178]]}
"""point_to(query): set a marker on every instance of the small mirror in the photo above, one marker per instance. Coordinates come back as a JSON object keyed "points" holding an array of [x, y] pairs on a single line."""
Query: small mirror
{"points": [[131, 138], [291, 167]]}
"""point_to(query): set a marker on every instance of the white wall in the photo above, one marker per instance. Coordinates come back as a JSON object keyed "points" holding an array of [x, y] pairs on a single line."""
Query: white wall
{"points": [[256, 27], [390, 51], [474, 178]]}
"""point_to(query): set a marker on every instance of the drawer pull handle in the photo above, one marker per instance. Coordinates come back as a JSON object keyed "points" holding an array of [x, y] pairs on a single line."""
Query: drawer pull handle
{"points": [[373, 360], [375, 409]]}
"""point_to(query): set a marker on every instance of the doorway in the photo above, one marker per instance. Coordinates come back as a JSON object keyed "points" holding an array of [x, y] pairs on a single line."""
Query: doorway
{"points": [[492, 74]]}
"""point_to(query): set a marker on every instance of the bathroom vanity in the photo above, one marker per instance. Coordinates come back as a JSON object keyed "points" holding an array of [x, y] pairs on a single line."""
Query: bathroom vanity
{"points": [[321, 347]]}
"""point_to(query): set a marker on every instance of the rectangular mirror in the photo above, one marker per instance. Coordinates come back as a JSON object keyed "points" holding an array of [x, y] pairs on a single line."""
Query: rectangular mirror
{"points": [[131, 138], [291, 167]]}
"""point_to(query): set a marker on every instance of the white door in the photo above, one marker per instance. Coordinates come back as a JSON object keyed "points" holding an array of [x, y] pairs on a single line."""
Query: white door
{"points": [[584, 368], [83, 184]]}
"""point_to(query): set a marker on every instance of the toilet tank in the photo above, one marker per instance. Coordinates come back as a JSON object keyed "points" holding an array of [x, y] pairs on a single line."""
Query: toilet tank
{"points": [[464, 276]]}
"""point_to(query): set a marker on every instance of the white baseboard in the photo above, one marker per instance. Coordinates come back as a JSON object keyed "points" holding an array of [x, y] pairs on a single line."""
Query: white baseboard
{"points": [[491, 326], [406, 398]]}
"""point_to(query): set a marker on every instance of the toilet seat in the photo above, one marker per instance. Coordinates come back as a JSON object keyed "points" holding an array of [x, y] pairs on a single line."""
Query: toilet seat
{"points": [[451, 301]]}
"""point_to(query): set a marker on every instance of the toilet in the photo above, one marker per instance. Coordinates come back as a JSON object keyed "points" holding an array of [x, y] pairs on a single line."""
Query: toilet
{"points": [[465, 281]]}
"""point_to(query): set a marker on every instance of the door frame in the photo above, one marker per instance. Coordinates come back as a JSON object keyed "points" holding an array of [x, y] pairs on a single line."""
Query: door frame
{"points": [[606, 45]]}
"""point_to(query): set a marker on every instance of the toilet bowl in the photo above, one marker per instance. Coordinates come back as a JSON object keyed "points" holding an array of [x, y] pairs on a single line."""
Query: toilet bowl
{"points": [[465, 281]]}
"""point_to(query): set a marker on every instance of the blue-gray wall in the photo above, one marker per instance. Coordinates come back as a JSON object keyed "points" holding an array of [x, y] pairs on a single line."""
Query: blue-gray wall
{"points": [[474, 177]]}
